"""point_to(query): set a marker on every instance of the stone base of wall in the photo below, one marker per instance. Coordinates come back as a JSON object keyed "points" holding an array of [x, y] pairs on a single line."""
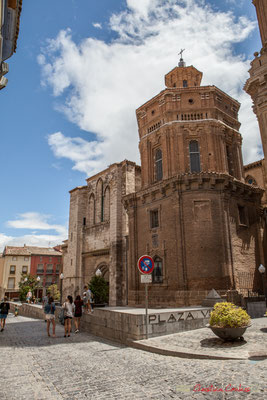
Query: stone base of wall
{"points": [[124, 323]]}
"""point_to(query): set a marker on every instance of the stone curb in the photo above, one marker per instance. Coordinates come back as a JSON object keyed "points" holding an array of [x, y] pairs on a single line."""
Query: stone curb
{"points": [[182, 353]]}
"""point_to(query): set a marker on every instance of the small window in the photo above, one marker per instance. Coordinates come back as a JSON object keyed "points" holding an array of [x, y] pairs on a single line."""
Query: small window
{"points": [[242, 215], [71, 236], [49, 268], [184, 83], [14, 258], [57, 268], [48, 281], [12, 270], [251, 181], [191, 101], [50, 259], [25, 269], [157, 274], [26, 258], [84, 221], [158, 165], [71, 262], [41, 259], [40, 268], [154, 219], [153, 112], [11, 283], [194, 156]]}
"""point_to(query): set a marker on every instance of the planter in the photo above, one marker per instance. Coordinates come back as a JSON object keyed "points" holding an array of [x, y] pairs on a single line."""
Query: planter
{"points": [[229, 333]]}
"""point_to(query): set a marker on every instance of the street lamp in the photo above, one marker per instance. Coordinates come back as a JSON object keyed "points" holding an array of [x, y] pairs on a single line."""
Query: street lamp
{"points": [[61, 277], [38, 282], [261, 270]]}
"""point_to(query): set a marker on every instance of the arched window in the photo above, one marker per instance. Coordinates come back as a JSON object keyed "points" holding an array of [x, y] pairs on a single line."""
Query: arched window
{"points": [[92, 210], [194, 156], [99, 202], [158, 165], [107, 204], [157, 274]]}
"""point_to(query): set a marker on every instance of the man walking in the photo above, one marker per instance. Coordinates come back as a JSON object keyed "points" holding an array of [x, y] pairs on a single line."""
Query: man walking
{"points": [[4, 308]]}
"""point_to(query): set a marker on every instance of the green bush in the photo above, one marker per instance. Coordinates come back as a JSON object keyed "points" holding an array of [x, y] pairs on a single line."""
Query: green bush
{"points": [[100, 289], [227, 315]]}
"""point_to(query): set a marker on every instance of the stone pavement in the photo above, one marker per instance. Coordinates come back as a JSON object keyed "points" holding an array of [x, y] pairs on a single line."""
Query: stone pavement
{"points": [[83, 366], [202, 343]]}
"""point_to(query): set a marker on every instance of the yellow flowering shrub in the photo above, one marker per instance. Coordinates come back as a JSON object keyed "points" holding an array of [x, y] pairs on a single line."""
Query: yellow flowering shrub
{"points": [[227, 315]]}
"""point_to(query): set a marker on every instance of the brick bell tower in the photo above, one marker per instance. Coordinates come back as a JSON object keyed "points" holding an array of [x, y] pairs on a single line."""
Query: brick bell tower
{"points": [[256, 85], [188, 128], [194, 214]]}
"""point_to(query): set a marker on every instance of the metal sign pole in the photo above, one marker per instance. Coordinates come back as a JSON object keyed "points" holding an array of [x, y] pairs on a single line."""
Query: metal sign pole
{"points": [[145, 265], [146, 310]]}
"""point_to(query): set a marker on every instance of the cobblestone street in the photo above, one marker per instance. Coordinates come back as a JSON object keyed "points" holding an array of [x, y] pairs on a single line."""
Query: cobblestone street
{"points": [[34, 366]]}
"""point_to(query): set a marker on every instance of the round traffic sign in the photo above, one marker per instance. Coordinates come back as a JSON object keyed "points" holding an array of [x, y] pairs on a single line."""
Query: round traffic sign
{"points": [[145, 264]]}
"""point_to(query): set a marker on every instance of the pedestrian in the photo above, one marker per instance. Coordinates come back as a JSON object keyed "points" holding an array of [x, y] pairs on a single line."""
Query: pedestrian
{"points": [[78, 312], [69, 311], [49, 310], [89, 299], [29, 296], [4, 308], [45, 300]]}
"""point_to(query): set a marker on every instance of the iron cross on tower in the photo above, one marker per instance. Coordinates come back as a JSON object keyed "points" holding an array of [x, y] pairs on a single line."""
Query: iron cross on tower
{"points": [[181, 53]]}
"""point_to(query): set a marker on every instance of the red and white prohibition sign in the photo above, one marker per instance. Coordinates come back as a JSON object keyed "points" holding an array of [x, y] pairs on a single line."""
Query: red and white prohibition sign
{"points": [[145, 265]]}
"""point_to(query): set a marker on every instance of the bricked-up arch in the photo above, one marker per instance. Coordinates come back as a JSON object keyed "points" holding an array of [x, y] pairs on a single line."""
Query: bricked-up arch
{"points": [[158, 165], [99, 201], [103, 267], [91, 210], [106, 204], [157, 274], [194, 156]]}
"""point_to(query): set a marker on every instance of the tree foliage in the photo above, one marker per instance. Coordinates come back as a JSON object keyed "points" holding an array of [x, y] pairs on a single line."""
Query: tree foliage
{"points": [[30, 284], [100, 289], [54, 292]]}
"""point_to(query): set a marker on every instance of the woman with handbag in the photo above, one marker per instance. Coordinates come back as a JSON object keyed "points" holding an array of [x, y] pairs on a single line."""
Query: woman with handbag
{"points": [[69, 311]]}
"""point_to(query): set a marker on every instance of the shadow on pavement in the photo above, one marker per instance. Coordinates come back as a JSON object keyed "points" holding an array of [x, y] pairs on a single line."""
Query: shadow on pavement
{"points": [[33, 333], [220, 344]]}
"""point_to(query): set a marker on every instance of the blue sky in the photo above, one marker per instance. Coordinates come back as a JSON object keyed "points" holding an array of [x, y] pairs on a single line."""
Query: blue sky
{"points": [[81, 69]]}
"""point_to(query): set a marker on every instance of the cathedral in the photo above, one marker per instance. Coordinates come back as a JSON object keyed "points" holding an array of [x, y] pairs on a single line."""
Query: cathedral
{"points": [[192, 205]]}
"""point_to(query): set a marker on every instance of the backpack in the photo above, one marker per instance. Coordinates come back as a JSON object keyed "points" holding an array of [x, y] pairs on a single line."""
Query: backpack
{"points": [[4, 308]]}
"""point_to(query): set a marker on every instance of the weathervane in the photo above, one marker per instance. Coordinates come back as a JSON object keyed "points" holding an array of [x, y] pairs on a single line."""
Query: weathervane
{"points": [[181, 62]]}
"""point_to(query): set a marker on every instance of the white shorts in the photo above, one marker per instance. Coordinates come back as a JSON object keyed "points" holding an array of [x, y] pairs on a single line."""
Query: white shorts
{"points": [[49, 317]]}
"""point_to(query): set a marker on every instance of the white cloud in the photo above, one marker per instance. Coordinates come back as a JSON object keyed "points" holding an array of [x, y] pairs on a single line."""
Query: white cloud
{"points": [[36, 221], [97, 25], [101, 84], [30, 240]]}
